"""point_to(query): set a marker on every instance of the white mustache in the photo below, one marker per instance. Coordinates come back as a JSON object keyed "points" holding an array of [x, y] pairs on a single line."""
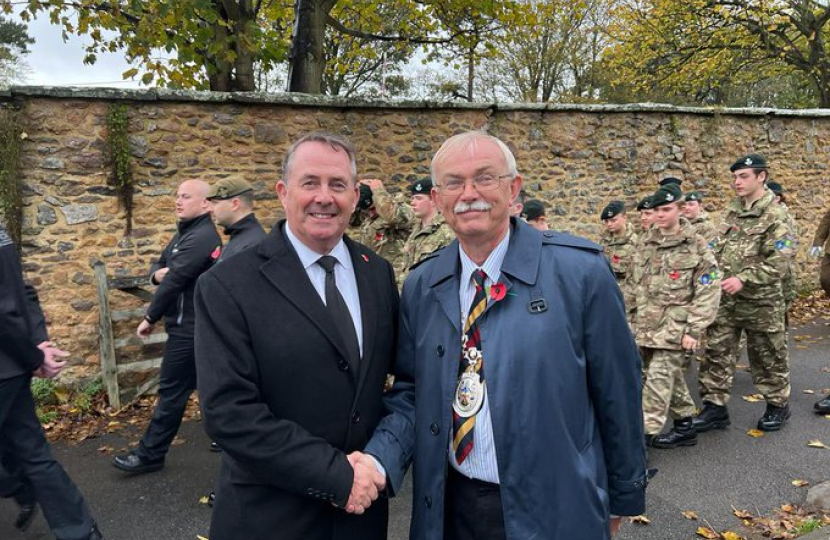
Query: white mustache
{"points": [[475, 206]]}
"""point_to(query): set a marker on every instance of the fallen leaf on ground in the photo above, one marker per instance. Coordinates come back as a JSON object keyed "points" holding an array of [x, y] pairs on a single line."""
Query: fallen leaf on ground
{"points": [[200, 537], [787, 508], [690, 514], [800, 483], [754, 398], [641, 519], [755, 433], [742, 514], [817, 444], [706, 532], [809, 392], [729, 535], [204, 499], [106, 449]]}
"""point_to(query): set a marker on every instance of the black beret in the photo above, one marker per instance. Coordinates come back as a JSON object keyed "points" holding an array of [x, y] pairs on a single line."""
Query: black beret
{"points": [[749, 161], [670, 180], [612, 209], [667, 194], [694, 196], [421, 187], [645, 203], [775, 187], [364, 202], [533, 209]]}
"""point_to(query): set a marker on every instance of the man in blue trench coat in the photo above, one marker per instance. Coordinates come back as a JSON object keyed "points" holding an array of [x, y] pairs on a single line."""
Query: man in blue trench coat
{"points": [[517, 383]]}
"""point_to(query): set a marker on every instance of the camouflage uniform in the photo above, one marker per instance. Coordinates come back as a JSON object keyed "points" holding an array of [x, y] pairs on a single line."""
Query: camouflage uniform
{"points": [[620, 249], [754, 245], [703, 226], [822, 239], [788, 284], [678, 292], [422, 242], [387, 233]]}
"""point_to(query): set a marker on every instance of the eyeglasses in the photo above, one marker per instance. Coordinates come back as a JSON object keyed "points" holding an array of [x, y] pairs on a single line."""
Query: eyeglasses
{"points": [[482, 182]]}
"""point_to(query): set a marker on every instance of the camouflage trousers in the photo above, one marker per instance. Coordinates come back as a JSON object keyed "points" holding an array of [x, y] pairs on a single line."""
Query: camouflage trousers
{"points": [[769, 364], [664, 388]]}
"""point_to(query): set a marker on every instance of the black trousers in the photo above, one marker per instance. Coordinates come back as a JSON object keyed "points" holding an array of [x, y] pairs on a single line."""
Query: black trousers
{"points": [[12, 483], [26, 448], [472, 509], [177, 382]]}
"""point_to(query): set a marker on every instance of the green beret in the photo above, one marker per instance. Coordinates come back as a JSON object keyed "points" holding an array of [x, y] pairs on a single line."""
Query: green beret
{"points": [[533, 209], [421, 187], [670, 180], [749, 161], [667, 194], [228, 188], [364, 202], [694, 196], [612, 209], [645, 203]]}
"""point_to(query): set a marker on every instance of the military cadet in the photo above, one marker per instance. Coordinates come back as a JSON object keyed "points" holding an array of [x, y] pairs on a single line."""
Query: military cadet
{"points": [[386, 222], [232, 207], [534, 213], [646, 213], [430, 232], [697, 216], [618, 240], [788, 284], [753, 246], [821, 244], [677, 293]]}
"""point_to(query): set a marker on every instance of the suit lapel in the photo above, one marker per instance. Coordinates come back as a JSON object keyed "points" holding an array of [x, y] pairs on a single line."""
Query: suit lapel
{"points": [[366, 276], [285, 272], [444, 282]]}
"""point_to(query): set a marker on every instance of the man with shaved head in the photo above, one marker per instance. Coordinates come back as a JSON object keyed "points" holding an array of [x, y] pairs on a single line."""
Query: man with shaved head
{"points": [[189, 254]]}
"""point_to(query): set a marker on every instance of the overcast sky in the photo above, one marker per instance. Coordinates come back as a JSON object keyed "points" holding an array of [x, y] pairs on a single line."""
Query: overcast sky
{"points": [[53, 62]]}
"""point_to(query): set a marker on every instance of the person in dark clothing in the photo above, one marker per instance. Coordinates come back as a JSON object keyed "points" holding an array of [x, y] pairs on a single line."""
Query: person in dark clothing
{"points": [[32, 475], [190, 253], [232, 207]]}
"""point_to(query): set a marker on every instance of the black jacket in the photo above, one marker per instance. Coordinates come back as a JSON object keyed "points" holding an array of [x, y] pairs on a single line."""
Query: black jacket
{"points": [[281, 398], [243, 234], [190, 253], [22, 326]]}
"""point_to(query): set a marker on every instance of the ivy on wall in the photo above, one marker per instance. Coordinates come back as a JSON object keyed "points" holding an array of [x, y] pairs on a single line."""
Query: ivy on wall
{"points": [[11, 189], [118, 142]]}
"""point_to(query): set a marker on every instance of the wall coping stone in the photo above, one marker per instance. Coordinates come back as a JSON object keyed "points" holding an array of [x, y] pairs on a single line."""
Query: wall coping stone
{"points": [[308, 100]]}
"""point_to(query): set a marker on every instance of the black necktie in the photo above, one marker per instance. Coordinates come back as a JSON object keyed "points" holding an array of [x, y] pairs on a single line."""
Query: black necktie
{"points": [[339, 310]]}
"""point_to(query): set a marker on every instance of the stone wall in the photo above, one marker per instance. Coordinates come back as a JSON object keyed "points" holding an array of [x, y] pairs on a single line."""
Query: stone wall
{"points": [[575, 157]]}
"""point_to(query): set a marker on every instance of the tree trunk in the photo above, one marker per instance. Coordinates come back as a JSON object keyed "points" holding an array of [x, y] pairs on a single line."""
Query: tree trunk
{"points": [[471, 72], [307, 61], [244, 62]]}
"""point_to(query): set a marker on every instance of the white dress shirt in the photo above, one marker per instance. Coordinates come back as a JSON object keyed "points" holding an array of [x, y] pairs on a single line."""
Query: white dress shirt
{"points": [[481, 462], [343, 276]]}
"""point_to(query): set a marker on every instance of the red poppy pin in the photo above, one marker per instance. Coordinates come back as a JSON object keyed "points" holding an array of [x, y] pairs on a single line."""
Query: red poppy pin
{"points": [[674, 275], [216, 253], [498, 291], [378, 236], [365, 258], [615, 259]]}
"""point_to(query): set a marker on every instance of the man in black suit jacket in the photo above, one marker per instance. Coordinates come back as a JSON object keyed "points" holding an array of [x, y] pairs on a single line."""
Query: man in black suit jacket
{"points": [[293, 344]]}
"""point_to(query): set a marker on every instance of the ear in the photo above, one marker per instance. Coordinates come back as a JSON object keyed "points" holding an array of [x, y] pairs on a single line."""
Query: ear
{"points": [[282, 191], [515, 188]]}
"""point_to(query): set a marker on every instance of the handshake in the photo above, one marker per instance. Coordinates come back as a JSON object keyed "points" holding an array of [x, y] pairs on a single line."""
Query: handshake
{"points": [[815, 251], [367, 485]]}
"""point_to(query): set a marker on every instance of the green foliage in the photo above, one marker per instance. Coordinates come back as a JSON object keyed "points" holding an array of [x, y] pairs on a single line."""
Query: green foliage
{"points": [[11, 191], [43, 391], [807, 526], [118, 142]]}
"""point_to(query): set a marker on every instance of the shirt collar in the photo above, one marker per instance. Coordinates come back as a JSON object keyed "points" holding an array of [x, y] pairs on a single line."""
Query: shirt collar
{"points": [[308, 257], [491, 266]]}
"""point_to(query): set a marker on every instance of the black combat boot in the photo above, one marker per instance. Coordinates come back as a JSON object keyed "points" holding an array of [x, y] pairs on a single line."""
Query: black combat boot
{"points": [[711, 417], [95, 534], [648, 440], [774, 418], [682, 434], [823, 406]]}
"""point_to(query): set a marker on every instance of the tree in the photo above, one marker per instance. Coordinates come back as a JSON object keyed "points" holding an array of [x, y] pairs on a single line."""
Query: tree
{"points": [[707, 49], [14, 45]]}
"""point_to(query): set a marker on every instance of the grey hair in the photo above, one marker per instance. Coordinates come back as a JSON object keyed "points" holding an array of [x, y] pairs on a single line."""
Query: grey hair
{"points": [[337, 143], [469, 139]]}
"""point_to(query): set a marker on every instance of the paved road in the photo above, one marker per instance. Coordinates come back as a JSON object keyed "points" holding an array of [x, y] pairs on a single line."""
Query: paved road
{"points": [[728, 468]]}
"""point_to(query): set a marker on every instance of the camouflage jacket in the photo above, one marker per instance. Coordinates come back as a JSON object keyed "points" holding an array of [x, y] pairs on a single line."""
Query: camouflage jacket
{"points": [[387, 233], [620, 249], [422, 242], [755, 245], [677, 288], [704, 226], [789, 285]]}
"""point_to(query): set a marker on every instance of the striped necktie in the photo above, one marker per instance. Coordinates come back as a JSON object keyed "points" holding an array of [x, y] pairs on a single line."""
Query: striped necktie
{"points": [[463, 427]]}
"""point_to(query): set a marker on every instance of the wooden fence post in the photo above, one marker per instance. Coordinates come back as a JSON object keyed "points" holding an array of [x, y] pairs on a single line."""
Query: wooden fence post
{"points": [[109, 370]]}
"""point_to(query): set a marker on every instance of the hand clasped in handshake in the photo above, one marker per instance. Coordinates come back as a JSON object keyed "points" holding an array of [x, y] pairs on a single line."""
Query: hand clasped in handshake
{"points": [[367, 485]]}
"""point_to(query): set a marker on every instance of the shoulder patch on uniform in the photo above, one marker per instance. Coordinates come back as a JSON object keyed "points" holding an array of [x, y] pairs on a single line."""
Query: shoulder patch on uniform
{"points": [[5, 239], [553, 238]]}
